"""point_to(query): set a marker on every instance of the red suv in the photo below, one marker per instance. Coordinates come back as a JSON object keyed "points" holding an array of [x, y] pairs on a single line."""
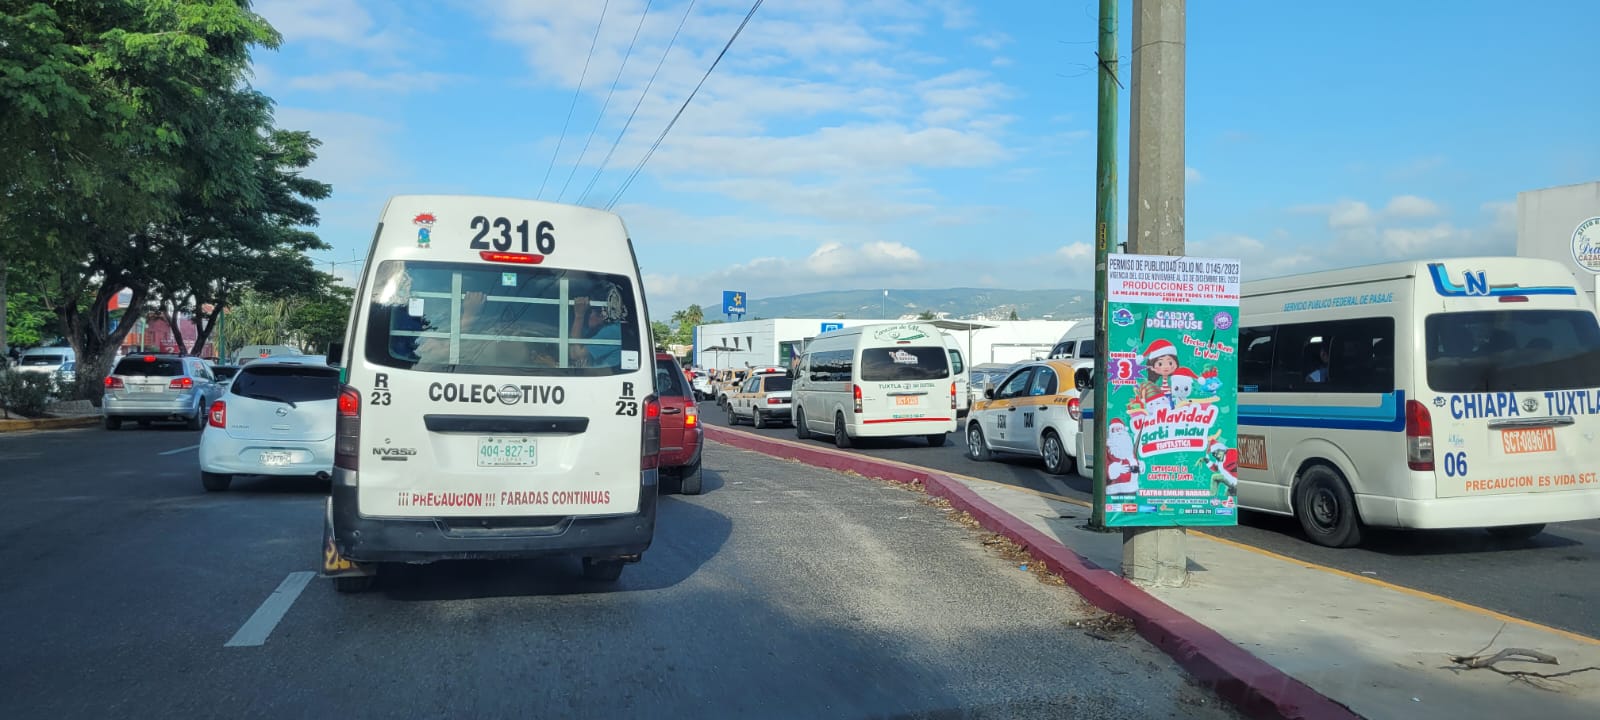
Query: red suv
{"points": [[681, 434]]}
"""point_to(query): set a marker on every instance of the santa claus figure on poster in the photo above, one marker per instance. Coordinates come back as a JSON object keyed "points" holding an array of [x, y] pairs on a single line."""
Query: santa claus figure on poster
{"points": [[1223, 462], [1122, 462]]}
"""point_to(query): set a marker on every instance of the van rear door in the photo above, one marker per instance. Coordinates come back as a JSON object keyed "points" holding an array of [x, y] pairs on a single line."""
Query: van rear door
{"points": [[905, 382], [502, 362]]}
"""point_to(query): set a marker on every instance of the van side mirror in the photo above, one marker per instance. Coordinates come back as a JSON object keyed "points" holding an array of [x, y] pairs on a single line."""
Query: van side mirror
{"points": [[1084, 379]]}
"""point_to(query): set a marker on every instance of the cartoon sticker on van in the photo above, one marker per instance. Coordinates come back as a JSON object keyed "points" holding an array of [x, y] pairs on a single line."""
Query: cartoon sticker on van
{"points": [[424, 223]]}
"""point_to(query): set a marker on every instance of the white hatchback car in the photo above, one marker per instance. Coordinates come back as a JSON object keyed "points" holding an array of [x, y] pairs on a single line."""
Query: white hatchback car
{"points": [[277, 418]]}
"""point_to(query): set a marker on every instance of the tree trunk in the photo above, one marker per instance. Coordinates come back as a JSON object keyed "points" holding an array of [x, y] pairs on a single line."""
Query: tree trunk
{"points": [[95, 344], [5, 345]]}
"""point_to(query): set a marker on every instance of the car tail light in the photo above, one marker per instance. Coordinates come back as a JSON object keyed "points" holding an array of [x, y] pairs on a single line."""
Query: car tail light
{"points": [[348, 430], [775, 401], [149, 358], [182, 383], [1419, 436], [1075, 408], [857, 389], [650, 447], [952, 396], [691, 416], [113, 383], [219, 414]]}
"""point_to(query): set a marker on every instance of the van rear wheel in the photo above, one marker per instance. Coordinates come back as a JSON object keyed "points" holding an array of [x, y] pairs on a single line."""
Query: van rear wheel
{"points": [[841, 437], [800, 430], [1516, 532], [607, 570], [1326, 508], [937, 440]]}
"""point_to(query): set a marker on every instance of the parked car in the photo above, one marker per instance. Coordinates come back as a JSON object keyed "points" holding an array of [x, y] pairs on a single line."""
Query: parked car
{"points": [[277, 418], [681, 434], [225, 374], [1034, 411], [45, 359], [154, 386], [763, 399], [67, 373], [704, 388]]}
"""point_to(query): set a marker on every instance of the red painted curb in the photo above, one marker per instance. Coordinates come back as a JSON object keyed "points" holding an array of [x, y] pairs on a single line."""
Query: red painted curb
{"points": [[1250, 683]]}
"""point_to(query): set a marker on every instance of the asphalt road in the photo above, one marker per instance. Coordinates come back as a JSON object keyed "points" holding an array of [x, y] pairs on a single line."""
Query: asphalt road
{"points": [[1552, 579], [781, 592]]}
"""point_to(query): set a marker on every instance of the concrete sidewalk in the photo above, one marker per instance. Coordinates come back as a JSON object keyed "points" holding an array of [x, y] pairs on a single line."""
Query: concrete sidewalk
{"points": [[1278, 637]]}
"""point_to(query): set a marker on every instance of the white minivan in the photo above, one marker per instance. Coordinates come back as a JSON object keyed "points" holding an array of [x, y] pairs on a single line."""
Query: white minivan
{"points": [[959, 373], [1077, 343], [498, 395], [889, 380], [1454, 393]]}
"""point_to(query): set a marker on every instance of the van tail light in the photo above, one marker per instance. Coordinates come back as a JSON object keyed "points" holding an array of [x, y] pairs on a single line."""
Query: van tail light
{"points": [[219, 414], [952, 396], [347, 430], [1075, 408], [650, 447], [1419, 436], [183, 383], [691, 416], [857, 389], [114, 383]]}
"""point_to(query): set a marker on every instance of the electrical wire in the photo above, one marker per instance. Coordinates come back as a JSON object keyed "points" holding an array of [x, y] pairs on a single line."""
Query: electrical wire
{"points": [[607, 104], [575, 92], [624, 131], [629, 181]]}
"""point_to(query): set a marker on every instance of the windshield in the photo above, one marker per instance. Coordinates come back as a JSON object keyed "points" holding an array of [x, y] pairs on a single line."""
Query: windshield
{"points": [[41, 359], [882, 364], [136, 365], [501, 320], [1511, 350], [287, 383]]}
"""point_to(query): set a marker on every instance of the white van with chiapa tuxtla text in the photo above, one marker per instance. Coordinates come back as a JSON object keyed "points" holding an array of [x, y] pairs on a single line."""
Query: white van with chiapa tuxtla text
{"points": [[498, 395], [891, 380]]}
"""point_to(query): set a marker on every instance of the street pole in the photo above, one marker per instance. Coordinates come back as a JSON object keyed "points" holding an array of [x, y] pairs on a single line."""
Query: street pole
{"points": [[1156, 556], [1105, 228]]}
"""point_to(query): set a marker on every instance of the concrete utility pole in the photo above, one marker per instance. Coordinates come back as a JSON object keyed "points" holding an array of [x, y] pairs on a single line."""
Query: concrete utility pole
{"points": [[1156, 556], [1105, 229]]}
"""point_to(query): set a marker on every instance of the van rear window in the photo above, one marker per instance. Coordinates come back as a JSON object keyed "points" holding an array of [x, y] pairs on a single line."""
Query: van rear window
{"points": [[501, 320], [41, 359], [1513, 350], [882, 364]]}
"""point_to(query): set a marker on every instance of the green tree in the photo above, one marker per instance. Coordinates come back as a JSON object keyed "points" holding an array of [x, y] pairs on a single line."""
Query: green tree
{"points": [[928, 315], [321, 318], [661, 333], [1013, 315]]}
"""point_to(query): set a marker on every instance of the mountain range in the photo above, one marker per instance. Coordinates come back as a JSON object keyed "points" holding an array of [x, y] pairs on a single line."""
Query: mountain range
{"points": [[956, 303]]}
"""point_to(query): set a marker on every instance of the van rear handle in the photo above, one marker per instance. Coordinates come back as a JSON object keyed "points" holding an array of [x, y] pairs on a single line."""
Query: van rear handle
{"points": [[899, 393], [1552, 421], [549, 425]]}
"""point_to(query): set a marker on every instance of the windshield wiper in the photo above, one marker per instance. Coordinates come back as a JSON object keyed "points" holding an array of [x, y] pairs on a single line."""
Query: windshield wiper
{"points": [[271, 398]]}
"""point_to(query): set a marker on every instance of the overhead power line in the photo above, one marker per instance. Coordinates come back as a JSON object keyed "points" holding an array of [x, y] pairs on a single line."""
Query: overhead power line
{"points": [[607, 104], [629, 181], [575, 92], [624, 131]]}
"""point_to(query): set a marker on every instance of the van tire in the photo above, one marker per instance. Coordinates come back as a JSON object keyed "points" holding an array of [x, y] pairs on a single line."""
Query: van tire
{"points": [[800, 430], [841, 436], [1326, 508], [602, 570], [977, 444], [215, 482], [1054, 452], [113, 423], [1516, 532], [689, 479], [938, 440]]}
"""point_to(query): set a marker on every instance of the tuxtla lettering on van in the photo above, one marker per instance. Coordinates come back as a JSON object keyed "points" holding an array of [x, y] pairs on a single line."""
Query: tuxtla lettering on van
{"points": [[1573, 402], [507, 394]]}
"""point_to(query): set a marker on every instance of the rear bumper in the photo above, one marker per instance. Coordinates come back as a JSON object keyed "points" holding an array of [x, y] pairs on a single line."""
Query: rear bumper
{"points": [[689, 454], [243, 457], [185, 406], [1484, 511], [776, 412], [423, 540], [903, 428]]}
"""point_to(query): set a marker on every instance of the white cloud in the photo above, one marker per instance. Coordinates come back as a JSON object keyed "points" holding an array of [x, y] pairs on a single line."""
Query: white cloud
{"points": [[398, 82], [1350, 214], [1001, 61], [992, 40], [1076, 251], [1410, 206], [339, 22], [1192, 176], [356, 151]]}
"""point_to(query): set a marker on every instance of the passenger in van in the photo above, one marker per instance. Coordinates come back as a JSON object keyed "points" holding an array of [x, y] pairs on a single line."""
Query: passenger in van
{"points": [[1320, 374], [594, 322]]}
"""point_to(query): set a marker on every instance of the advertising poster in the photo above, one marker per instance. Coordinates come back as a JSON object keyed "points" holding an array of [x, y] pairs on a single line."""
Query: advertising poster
{"points": [[1172, 366]]}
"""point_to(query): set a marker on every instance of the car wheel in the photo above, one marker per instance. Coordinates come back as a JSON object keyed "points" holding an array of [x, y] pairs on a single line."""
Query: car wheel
{"points": [[938, 440], [1516, 532], [689, 480], [602, 570], [977, 446], [732, 418], [758, 420], [113, 423], [352, 584], [800, 429], [1326, 508], [1056, 461], [198, 422], [841, 437], [215, 482]]}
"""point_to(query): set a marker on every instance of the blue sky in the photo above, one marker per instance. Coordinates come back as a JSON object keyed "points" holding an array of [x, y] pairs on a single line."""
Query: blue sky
{"points": [[942, 143]]}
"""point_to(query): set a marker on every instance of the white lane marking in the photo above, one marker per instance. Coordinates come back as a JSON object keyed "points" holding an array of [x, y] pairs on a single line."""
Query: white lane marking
{"points": [[179, 450], [254, 632]]}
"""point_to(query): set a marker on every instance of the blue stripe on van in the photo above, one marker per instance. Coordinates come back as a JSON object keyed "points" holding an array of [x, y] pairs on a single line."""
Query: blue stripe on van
{"points": [[1388, 416]]}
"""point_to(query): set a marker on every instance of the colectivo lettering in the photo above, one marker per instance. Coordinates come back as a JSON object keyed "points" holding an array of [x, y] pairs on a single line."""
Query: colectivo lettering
{"points": [[503, 394]]}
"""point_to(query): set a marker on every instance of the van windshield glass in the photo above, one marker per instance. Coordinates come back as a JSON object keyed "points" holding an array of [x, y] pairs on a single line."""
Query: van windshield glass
{"points": [[880, 364], [501, 320], [41, 360], [1512, 350]]}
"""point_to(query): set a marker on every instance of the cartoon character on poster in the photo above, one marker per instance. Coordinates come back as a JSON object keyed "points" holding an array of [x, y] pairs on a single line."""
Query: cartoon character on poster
{"points": [[1160, 361], [1122, 460], [1223, 463]]}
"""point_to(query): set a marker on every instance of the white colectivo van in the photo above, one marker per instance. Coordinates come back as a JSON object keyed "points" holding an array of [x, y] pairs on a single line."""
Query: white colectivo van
{"points": [[1077, 343], [498, 398], [960, 374], [889, 380], [1452, 393]]}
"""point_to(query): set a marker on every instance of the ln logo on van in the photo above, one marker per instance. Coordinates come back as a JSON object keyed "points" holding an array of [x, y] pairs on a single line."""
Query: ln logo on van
{"points": [[1475, 283], [900, 333]]}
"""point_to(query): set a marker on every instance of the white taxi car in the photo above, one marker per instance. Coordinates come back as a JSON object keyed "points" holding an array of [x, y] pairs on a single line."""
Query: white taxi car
{"points": [[763, 399], [1033, 411]]}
